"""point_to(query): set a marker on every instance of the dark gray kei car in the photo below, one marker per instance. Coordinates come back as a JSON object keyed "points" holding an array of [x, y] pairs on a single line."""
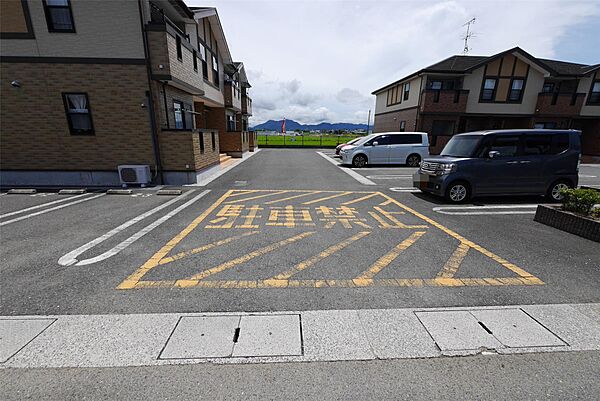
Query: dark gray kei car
{"points": [[503, 162]]}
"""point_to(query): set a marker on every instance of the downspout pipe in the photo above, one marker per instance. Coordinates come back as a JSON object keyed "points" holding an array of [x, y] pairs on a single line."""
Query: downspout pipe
{"points": [[150, 100]]}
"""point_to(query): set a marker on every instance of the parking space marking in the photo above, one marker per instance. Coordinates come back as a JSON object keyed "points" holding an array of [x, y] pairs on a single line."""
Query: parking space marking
{"points": [[388, 219], [293, 197], [453, 263], [256, 197], [389, 177], [242, 259], [206, 247], [485, 210], [327, 198], [363, 180], [363, 198], [28, 216], [71, 257], [388, 258], [324, 254], [40, 206]]}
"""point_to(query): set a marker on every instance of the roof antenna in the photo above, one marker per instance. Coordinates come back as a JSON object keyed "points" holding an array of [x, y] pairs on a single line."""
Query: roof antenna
{"points": [[468, 35]]}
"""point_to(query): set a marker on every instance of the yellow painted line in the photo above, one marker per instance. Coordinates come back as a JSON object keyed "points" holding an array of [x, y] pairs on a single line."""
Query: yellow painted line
{"points": [[361, 198], [292, 197], [389, 257], [257, 197], [316, 258], [131, 281], [453, 263], [327, 198], [243, 259], [238, 192], [390, 216], [515, 269], [326, 283], [203, 248]]}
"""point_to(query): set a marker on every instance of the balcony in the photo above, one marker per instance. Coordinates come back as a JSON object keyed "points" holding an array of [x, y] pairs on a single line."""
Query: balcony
{"points": [[444, 101], [559, 104], [233, 96], [246, 105]]}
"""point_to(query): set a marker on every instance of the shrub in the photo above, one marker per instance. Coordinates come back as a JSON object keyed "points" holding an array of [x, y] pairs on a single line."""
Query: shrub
{"points": [[580, 200]]}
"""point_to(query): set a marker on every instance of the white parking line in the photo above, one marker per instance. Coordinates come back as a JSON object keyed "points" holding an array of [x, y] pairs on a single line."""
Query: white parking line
{"points": [[404, 189], [27, 216], [586, 176], [40, 206], [71, 257], [350, 172], [483, 210], [388, 177]]}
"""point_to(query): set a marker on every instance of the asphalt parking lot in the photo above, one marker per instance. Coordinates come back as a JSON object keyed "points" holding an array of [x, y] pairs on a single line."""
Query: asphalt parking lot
{"points": [[285, 230]]}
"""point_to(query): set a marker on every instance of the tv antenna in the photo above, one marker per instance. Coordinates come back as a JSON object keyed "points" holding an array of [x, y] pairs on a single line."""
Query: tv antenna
{"points": [[468, 35]]}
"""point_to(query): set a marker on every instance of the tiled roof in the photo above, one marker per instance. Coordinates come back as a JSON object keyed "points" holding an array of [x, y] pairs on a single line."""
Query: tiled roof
{"points": [[457, 63], [462, 64]]}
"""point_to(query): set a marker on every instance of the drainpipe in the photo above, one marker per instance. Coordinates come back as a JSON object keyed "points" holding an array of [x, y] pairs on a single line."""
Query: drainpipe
{"points": [[150, 99]]}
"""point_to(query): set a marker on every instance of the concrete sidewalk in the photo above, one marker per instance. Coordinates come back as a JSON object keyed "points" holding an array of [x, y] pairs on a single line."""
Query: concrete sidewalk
{"points": [[330, 335]]}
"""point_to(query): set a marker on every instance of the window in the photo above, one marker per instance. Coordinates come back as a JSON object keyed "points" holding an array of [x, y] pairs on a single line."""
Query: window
{"points": [[548, 125], [201, 136], [178, 109], [402, 126], [507, 145], [230, 123], [595, 93], [203, 58], [59, 16], [489, 89], [214, 141], [537, 144], [405, 139], [548, 87], [561, 143], [435, 85], [215, 67], [442, 128], [178, 43], [381, 140], [406, 90], [516, 90], [183, 115], [195, 57], [77, 108]]}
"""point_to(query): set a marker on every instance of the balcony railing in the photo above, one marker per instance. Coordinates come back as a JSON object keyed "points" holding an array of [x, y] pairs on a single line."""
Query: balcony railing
{"points": [[232, 95], [158, 17], [561, 104], [444, 100], [246, 105]]}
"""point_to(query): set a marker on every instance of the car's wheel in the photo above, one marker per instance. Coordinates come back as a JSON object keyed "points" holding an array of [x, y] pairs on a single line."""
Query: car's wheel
{"points": [[413, 160], [554, 190], [359, 161], [458, 191]]}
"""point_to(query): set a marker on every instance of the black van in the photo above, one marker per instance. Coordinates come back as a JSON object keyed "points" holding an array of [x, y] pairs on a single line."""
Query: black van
{"points": [[503, 162]]}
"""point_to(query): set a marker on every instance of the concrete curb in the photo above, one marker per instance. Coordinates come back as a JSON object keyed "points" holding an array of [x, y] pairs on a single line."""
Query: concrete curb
{"points": [[569, 222], [303, 336], [173, 192], [22, 191], [119, 192]]}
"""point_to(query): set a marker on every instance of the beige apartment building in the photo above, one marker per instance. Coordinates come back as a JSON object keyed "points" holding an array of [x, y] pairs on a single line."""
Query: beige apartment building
{"points": [[511, 89], [89, 85]]}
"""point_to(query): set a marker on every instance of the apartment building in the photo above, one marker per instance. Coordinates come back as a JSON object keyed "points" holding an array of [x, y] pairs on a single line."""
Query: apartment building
{"points": [[511, 89], [88, 85]]}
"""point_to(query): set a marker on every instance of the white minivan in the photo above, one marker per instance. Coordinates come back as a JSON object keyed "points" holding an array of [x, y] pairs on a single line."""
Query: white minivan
{"points": [[387, 148]]}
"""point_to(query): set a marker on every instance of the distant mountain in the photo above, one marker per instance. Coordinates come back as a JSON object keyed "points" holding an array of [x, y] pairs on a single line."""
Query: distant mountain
{"points": [[291, 125]]}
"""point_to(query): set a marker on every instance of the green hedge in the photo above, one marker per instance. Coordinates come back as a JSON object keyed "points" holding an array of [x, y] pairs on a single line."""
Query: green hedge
{"points": [[580, 200]]}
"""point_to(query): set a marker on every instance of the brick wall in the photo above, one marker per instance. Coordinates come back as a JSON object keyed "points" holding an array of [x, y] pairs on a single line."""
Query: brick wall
{"points": [[33, 126], [563, 106], [390, 122], [172, 93], [448, 101], [210, 155]]}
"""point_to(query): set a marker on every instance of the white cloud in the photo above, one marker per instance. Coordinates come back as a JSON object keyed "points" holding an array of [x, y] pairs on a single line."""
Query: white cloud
{"points": [[321, 60]]}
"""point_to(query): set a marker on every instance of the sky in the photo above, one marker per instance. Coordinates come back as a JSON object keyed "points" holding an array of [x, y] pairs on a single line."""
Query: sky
{"points": [[314, 61]]}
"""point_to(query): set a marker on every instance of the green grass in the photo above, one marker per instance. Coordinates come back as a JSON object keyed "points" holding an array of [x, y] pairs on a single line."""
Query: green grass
{"points": [[326, 141]]}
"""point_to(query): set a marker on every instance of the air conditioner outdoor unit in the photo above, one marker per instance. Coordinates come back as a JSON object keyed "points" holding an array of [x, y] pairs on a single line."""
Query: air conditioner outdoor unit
{"points": [[134, 174]]}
